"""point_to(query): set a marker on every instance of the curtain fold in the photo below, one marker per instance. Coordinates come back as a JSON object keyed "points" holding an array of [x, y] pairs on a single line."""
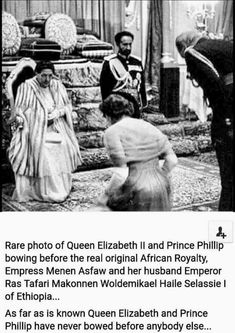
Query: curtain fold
{"points": [[105, 17], [224, 19], [154, 44]]}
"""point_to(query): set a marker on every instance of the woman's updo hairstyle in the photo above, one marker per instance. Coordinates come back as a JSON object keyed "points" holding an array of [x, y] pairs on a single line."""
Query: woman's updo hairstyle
{"points": [[115, 106]]}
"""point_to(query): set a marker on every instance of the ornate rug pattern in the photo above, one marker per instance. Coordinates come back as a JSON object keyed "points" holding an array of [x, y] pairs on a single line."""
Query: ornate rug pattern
{"points": [[195, 184]]}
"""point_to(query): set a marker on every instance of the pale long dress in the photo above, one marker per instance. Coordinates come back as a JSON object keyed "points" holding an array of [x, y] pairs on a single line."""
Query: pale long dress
{"points": [[55, 182], [142, 185]]}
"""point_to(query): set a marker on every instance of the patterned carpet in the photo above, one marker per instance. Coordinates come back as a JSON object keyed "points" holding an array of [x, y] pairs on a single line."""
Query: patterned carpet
{"points": [[196, 188]]}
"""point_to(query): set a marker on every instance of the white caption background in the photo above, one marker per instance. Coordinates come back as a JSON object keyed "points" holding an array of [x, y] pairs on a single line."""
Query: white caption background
{"points": [[38, 228]]}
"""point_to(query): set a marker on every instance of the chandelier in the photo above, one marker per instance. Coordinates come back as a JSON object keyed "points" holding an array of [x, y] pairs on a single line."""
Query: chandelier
{"points": [[201, 12]]}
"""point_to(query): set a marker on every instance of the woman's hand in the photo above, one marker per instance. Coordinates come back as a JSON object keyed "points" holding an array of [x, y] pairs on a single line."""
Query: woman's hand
{"points": [[170, 161], [19, 122], [53, 114], [51, 117]]}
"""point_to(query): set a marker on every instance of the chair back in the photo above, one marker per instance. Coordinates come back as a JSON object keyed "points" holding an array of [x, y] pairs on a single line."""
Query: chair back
{"points": [[22, 71]]}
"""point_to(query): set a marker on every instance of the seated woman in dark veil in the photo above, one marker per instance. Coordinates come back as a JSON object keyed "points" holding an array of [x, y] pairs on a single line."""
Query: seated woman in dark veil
{"points": [[135, 147]]}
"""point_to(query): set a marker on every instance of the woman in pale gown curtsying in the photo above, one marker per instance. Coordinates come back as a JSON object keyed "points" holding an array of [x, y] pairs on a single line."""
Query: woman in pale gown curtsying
{"points": [[139, 182]]}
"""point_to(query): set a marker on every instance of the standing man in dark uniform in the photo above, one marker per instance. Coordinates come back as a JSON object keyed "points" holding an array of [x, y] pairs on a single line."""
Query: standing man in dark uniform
{"points": [[210, 63], [123, 72]]}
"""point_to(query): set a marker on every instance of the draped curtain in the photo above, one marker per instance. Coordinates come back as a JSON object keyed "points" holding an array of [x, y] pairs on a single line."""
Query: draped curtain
{"points": [[224, 19], [104, 17], [154, 44]]}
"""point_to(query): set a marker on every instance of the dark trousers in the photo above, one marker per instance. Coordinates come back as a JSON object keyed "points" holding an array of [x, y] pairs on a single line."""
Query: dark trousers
{"points": [[224, 153]]}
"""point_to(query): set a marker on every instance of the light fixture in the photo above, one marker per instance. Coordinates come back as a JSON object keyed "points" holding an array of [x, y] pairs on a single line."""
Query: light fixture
{"points": [[201, 12]]}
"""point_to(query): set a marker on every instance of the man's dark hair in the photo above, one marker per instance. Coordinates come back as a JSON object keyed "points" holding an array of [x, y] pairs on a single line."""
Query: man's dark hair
{"points": [[44, 64], [120, 34]]}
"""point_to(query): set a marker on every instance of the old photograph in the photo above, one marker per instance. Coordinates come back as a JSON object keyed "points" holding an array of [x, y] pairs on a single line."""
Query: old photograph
{"points": [[117, 106]]}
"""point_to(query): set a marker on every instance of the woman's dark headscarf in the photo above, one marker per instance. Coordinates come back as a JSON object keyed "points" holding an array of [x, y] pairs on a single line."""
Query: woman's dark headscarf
{"points": [[44, 64]]}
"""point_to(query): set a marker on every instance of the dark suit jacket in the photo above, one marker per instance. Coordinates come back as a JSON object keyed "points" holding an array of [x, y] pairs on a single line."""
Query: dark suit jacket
{"points": [[133, 65], [219, 95]]}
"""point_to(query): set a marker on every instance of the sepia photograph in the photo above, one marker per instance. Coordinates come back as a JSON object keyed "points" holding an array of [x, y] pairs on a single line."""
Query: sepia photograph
{"points": [[121, 105]]}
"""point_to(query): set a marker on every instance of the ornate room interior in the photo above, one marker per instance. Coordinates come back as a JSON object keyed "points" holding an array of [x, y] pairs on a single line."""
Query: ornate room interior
{"points": [[84, 32]]}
